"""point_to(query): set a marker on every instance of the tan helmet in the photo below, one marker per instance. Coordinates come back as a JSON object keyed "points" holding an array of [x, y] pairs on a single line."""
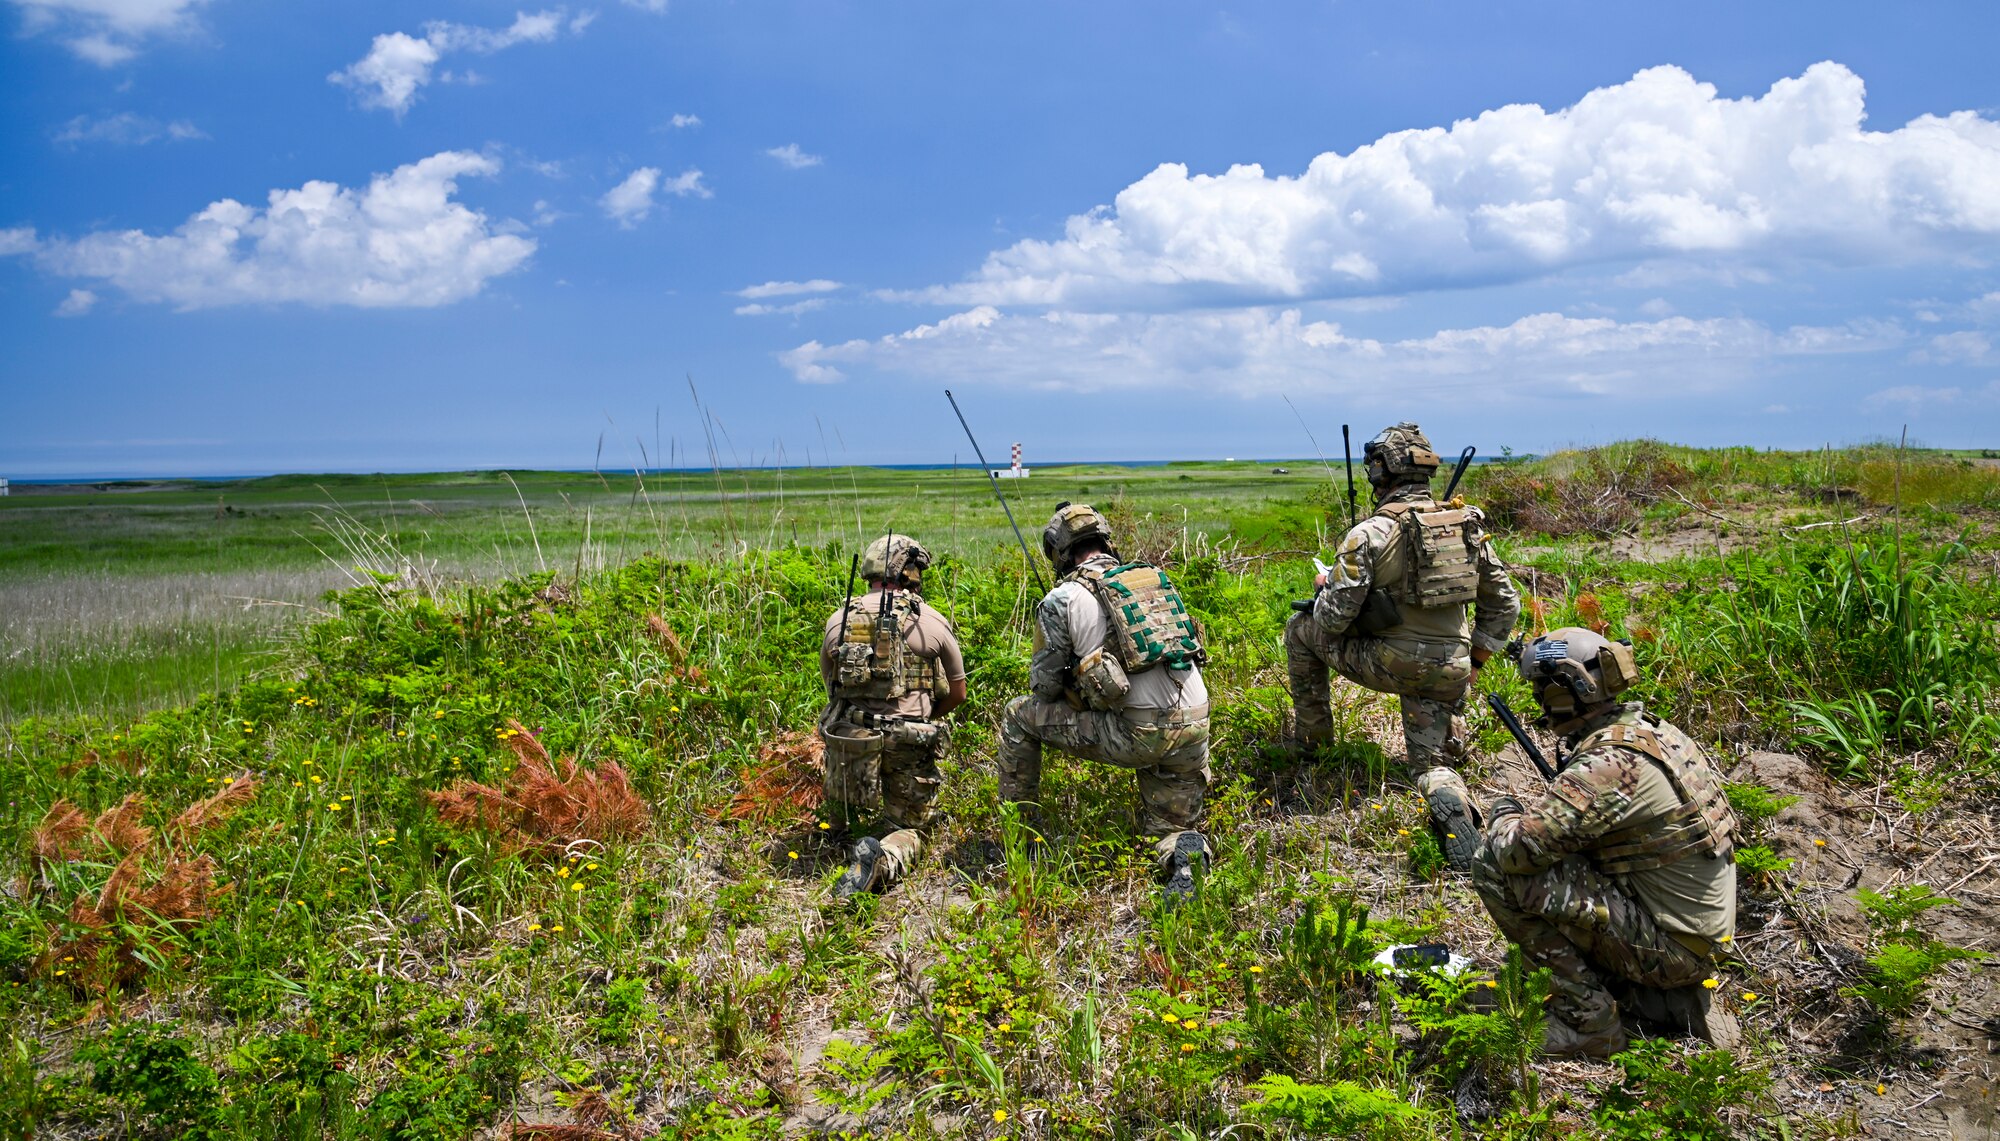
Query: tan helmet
{"points": [[1573, 670], [1400, 453], [895, 558], [1071, 524]]}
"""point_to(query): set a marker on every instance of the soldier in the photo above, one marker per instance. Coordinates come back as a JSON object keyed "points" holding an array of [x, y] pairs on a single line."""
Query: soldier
{"points": [[1118, 684], [1621, 879], [893, 670], [1391, 617]]}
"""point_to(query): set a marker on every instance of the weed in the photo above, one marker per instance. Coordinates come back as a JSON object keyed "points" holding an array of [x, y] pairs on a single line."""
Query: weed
{"points": [[1666, 1095], [1905, 958]]}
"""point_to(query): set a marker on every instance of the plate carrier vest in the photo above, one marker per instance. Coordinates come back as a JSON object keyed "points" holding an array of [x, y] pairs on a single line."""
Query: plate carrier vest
{"points": [[875, 663], [1146, 623], [1443, 548], [1703, 822]]}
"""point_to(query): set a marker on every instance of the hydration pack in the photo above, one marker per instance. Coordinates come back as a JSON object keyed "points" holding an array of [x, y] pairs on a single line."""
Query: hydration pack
{"points": [[1442, 546]]}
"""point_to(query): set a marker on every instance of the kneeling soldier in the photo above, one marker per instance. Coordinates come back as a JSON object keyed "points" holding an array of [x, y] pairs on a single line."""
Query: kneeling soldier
{"points": [[1116, 678], [1391, 617], [893, 669], [1621, 879]]}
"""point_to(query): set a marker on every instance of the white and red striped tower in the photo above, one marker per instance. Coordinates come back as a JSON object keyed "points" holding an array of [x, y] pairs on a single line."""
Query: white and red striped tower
{"points": [[1017, 460]]}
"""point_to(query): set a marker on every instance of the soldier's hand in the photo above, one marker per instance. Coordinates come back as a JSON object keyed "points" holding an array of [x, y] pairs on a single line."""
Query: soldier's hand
{"points": [[1319, 582]]}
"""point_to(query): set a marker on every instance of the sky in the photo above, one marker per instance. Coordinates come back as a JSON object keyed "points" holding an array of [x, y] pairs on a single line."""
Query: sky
{"points": [[241, 237]]}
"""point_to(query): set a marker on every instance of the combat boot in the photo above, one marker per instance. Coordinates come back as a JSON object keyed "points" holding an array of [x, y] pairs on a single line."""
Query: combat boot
{"points": [[860, 875], [1561, 1040], [1188, 860], [1453, 818], [1688, 1010]]}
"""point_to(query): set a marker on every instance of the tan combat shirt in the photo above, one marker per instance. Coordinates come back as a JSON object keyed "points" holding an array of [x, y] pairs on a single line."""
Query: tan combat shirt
{"points": [[929, 637], [1606, 787]]}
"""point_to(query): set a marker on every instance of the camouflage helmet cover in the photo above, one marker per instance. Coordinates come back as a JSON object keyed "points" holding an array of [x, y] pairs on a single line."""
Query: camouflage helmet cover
{"points": [[1402, 450], [893, 557], [1573, 669], [1071, 524]]}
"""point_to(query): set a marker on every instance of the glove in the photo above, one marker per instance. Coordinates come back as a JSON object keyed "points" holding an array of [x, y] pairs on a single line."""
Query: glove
{"points": [[1503, 806]]}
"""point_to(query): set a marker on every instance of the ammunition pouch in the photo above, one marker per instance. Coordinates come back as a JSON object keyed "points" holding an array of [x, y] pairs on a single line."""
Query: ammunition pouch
{"points": [[1101, 680]]}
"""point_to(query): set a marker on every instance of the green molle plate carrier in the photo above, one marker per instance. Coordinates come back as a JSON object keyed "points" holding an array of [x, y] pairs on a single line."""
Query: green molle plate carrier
{"points": [[1149, 624]]}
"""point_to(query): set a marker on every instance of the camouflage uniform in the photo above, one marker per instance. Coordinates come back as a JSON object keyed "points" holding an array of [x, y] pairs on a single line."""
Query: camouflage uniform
{"points": [[909, 771], [1161, 732], [1622, 873], [1425, 659]]}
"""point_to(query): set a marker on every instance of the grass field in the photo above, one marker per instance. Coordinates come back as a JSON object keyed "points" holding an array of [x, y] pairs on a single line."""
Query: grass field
{"points": [[237, 910]]}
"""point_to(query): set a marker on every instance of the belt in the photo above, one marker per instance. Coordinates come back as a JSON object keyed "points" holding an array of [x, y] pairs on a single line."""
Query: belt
{"points": [[1167, 718]]}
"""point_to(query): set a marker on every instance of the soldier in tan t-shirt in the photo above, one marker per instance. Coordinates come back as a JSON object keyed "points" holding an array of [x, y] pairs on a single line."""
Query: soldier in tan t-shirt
{"points": [[893, 670]]}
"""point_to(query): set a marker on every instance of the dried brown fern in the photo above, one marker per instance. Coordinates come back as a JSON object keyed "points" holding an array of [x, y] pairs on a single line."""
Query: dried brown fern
{"points": [[59, 838], [125, 932], [675, 649], [211, 812], [787, 784], [544, 805], [120, 827]]}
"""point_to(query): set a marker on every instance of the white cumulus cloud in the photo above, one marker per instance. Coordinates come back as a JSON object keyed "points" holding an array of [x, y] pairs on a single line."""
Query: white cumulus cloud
{"points": [[79, 302], [402, 241], [399, 65], [1256, 350], [1658, 167], [682, 122], [18, 240], [791, 156], [107, 32], [759, 309], [125, 129], [631, 201]]}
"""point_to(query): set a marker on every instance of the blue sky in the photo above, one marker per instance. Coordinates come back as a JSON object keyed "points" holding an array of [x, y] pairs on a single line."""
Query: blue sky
{"points": [[244, 237]]}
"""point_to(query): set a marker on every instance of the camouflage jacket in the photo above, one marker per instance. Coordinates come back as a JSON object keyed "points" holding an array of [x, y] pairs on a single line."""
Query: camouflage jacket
{"points": [[1369, 544], [1606, 795]]}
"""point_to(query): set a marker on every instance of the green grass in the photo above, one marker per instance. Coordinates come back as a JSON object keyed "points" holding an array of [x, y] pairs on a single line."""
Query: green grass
{"points": [[372, 973]]}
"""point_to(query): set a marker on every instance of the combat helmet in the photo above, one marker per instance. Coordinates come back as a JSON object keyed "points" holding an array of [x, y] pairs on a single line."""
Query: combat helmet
{"points": [[1573, 671], [895, 558], [1399, 454], [1071, 524]]}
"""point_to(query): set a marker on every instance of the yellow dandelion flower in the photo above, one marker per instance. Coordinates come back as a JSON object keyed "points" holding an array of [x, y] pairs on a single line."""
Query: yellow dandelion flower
{"points": [[1749, 996], [1711, 984], [334, 807], [562, 873], [793, 855], [1256, 970], [1187, 1047], [347, 798], [1004, 1027], [1191, 1024], [1490, 985], [1881, 1089], [402, 732], [590, 867], [534, 927], [999, 1116], [557, 927], [60, 974], [1726, 939], [673, 1040], [1170, 1019], [1402, 831], [298, 784], [576, 887], [1819, 843], [69, 958]]}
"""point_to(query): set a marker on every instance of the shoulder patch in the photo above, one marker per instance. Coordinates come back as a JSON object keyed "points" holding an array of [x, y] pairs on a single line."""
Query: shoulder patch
{"points": [[1573, 793]]}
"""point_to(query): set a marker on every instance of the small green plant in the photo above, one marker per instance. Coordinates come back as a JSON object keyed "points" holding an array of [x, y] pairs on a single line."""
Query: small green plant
{"points": [[625, 1010], [1667, 1096], [1340, 1108], [1761, 864], [1906, 957], [857, 1087], [156, 1073], [1755, 804], [1502, 1041]]}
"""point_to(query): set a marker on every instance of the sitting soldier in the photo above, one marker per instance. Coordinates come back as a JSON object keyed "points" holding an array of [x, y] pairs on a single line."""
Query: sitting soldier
{"points": [[1118, 686], [892, 669], [1621, 879]]}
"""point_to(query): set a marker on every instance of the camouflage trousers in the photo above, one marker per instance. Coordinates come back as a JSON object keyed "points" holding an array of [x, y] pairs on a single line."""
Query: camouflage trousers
{"points": [[1430, 678], [1168, 752], [910, 783], [1580, 924]]}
